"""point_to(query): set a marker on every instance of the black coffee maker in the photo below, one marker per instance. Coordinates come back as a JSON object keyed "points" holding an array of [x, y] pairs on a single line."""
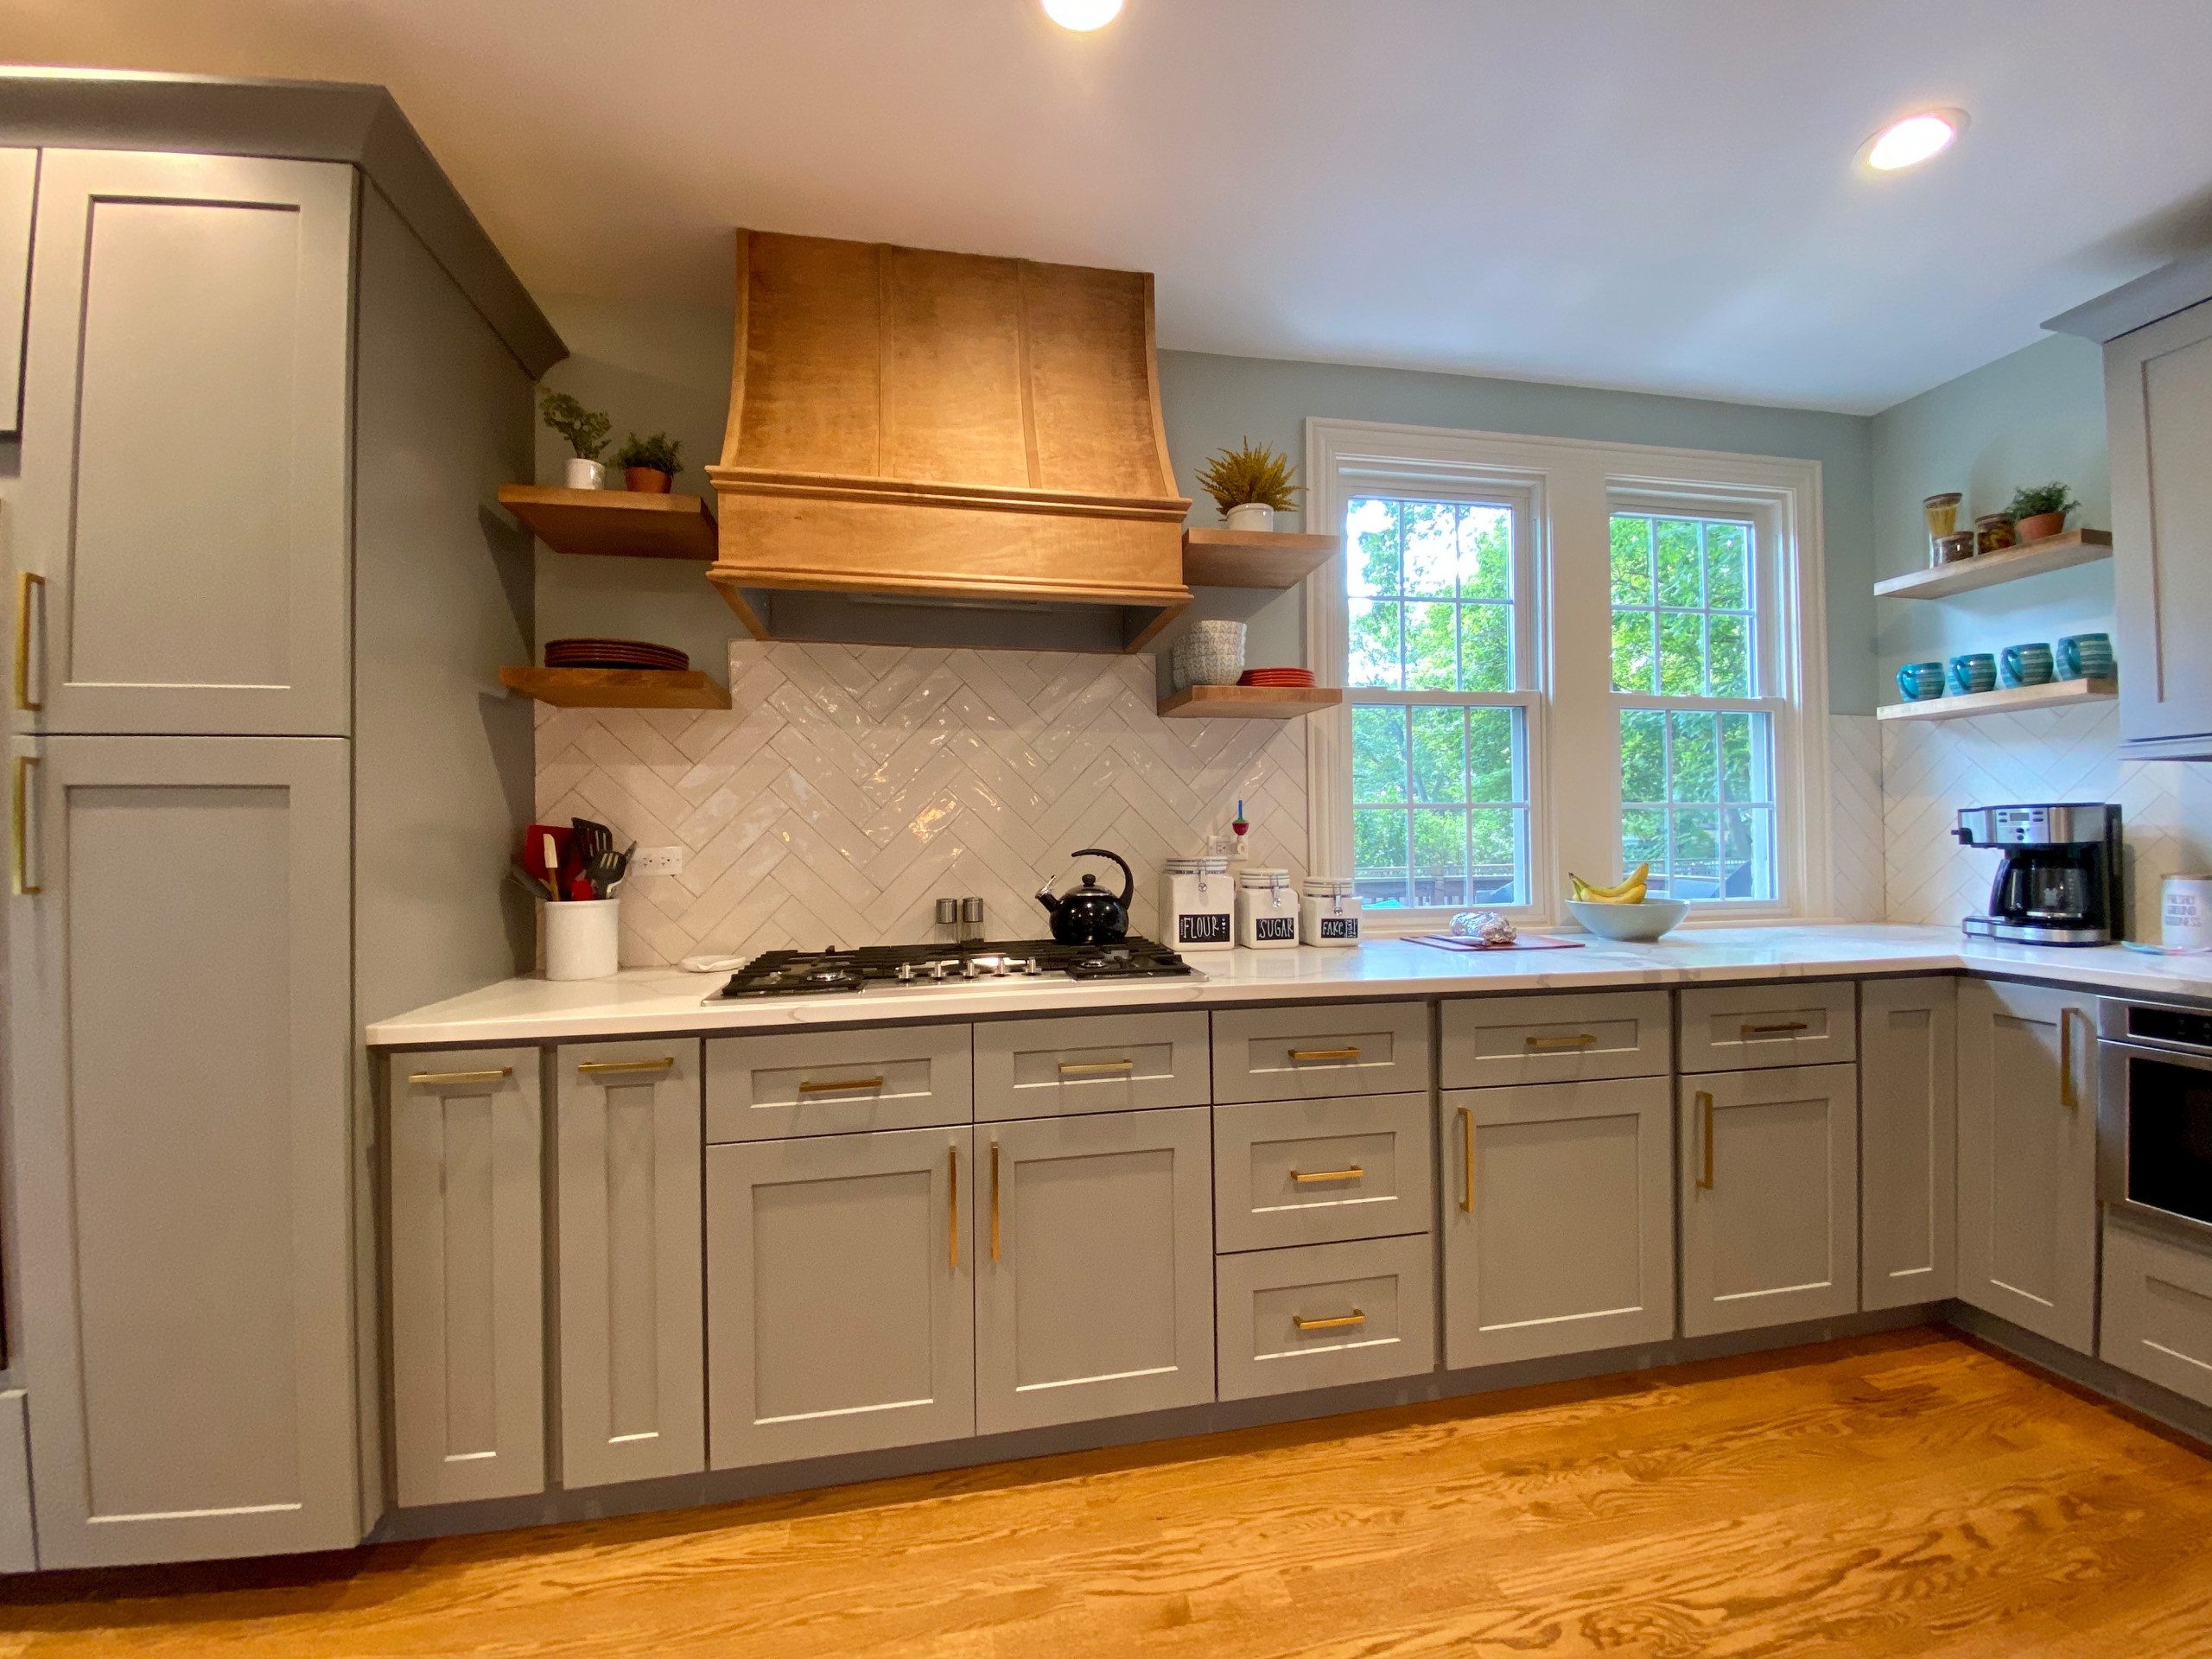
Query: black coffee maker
{"points": [[2060, 882]]}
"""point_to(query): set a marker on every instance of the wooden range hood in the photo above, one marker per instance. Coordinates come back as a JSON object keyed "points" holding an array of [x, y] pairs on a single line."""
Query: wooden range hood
{"points": [[912, 429]]}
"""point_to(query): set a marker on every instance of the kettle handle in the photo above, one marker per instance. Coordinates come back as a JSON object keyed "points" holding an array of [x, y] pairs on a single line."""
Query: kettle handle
{"points": [[1129, 880]]}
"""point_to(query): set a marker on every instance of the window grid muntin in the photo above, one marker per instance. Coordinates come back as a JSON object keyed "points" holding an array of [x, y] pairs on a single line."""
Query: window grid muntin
{"points": [[1702, 613], [1362, 599], [1756, 807], [1406, 891]]}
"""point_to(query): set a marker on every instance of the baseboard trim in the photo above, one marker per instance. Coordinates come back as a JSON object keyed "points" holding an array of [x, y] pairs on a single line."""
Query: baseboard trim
{"points": [[2103, 1382]]}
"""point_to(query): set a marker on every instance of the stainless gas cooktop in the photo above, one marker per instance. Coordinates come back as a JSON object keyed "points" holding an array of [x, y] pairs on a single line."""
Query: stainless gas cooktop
{"points": [[906, 968]]}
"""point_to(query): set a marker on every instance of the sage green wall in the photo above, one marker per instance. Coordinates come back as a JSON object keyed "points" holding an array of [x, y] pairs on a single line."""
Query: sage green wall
{"points": [[2035, 415], [667, 367]]}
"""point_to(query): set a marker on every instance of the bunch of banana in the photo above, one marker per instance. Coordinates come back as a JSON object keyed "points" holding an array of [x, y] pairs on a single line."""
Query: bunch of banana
{"points": [[1629, 892]]}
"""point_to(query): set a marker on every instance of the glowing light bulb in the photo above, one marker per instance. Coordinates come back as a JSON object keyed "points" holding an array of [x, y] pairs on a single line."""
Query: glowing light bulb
{"points": [[1083, 15], [1915, 139]]}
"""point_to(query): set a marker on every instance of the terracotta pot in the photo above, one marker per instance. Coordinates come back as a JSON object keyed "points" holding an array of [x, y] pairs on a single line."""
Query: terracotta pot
{"points": [[2035, 527], [647, 480]]}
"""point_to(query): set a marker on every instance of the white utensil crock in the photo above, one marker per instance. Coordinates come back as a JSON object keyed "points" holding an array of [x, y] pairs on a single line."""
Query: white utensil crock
{"points": [[585, 475], [582, 939]]}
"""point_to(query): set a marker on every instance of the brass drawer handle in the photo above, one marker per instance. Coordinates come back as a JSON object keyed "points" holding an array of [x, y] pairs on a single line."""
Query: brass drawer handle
{"points": [[2068, 1096], [1705, 1103], [600, 1067], [1467, 1192], [432, 1079], [1095, 1068], [24, 789], [1301, 1054], [24, 583], [1580, 1039], [1776, 1031], [1354, 1173], [840, 1086], [952, 1199], [995, 1200], [1342, 1319]]}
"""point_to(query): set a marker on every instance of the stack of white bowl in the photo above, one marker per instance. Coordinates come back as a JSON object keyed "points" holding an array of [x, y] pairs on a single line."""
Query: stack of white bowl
{"points": [[1209, 653]]}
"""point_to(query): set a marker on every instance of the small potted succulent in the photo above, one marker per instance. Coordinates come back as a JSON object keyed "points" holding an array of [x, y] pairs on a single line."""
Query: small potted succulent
{"points": [[650, 465], [585, 430], [2040, 510], [1250, 484]]}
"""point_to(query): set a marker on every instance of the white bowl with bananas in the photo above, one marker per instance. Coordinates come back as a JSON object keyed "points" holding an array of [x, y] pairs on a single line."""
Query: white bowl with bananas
{"points": [[1624, 911]]}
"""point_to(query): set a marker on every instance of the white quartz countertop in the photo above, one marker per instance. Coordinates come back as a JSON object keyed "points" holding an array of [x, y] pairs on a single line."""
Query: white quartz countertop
{"points": [[642, 1002]]}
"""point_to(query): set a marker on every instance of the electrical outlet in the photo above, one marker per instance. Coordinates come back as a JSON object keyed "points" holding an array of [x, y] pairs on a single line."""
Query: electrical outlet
{"points": [[657, 860]]}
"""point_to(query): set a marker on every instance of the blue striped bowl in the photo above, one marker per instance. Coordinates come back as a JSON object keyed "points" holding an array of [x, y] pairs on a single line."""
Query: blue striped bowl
{"points": [[1972, 671]]}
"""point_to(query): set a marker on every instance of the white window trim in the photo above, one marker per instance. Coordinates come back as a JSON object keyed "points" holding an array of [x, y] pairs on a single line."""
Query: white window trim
{"points": [[1571, 485]]}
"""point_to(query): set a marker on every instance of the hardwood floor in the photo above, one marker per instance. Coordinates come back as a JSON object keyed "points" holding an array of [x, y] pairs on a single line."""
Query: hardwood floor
{"points": [[1902, 1494]]}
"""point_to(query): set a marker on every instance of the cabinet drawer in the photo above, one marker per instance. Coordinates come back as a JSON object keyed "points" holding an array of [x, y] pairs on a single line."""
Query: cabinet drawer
{"points": [[1311, 1054], [2158, 1320], [838, 1081], [1737, 1027], [1312, 1171], [1490, 1041], [1098, 1063], [1325, 1314]]}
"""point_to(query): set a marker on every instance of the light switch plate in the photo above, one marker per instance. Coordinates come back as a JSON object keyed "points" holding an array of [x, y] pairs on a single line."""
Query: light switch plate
{"points": [[657, 860]]}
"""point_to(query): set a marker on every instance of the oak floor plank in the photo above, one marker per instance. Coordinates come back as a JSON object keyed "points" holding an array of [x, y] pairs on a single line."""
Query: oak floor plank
{"points": [[1906, 1495]]}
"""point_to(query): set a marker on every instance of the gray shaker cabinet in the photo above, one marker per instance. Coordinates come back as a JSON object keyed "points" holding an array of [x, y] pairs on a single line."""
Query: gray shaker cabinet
{"points": [[177, 1076], [18, 191], [467, 1317], [1094, 1268], [1908, 1085], [633, 1338], [1559, 1219], [840, 1295], [1769, 1196], [184, 496], [2028, 1157]]}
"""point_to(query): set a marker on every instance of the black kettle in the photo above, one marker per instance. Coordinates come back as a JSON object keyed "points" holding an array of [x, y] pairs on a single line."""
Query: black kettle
{"points": [[1089, 914]]}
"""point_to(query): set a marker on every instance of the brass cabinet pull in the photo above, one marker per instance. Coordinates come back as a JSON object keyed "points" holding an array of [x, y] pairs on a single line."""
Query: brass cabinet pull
{"points": [[840, 1086], [600, 1067], [1325, 1053], [1705, 1104], [1353, 1318], [1580, 1039], [1467, 1189], [1775, 1031], [432, 1079], [2069, 1096], [995, 1200], [24, 786], [952, 1196], [24, 583], [1354, 1172], [1095, 1068]]}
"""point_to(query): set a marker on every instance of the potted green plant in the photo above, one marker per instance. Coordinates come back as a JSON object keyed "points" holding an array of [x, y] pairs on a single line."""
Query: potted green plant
{"points": [[585, 430], [2040, 510], [1250, 484], [650, 465]]}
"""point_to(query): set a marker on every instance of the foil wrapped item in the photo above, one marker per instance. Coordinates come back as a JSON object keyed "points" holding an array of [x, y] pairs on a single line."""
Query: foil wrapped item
{"points": [[1486, 925]]}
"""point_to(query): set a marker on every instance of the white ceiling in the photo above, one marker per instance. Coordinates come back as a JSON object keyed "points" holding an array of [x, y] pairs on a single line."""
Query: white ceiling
{"points": [[1651, 196]]}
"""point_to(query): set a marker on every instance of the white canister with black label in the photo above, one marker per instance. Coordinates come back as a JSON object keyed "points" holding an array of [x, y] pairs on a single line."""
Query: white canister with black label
{"points": [[1328, 912], [1197, 905], [1267, 911], [2185, 912]]}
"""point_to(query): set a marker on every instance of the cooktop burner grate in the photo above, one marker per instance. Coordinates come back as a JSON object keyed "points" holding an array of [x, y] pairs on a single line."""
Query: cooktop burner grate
{"points": [[905, 967]]}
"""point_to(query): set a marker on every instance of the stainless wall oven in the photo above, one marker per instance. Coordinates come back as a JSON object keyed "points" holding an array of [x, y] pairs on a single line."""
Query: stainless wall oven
{"points": [[2154, 1122]]}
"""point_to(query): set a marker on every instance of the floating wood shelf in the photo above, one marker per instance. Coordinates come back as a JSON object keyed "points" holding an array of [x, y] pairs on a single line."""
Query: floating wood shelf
{"points": [[2011, 700], [617, 688], [1249, 701], [625, 523], [2061, 552], [1254, 558]]}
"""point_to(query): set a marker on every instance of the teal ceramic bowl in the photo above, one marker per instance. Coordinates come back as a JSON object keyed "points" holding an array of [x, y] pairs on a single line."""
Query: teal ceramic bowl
{"points": [[1972, 671], [1921, 682], [2025, 665], [2086, 656]]}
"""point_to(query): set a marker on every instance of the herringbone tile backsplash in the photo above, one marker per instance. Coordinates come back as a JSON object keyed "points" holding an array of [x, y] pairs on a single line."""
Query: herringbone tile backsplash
{"points": [[848, 787]]}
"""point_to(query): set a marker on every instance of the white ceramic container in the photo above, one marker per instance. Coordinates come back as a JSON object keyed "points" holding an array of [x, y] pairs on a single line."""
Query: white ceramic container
{"points": [[582, 939], [1639, 923], [2185, 912], [1267, 911], [1328, 912], [1197, 905], [1212, 653], [581, 474], [1253, 515]]}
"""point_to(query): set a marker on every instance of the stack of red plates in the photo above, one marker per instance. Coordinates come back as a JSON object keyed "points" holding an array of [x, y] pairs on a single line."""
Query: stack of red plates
{"points": [[613, 653], [1276, 677]]}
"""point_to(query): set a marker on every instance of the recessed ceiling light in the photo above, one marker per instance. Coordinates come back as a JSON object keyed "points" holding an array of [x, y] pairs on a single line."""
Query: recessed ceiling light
{"points": [[1083, 15], [1915, 139]]}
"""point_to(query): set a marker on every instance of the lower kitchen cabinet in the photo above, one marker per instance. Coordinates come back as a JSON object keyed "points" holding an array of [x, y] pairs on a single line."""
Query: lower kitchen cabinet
{"points": [[1907, 1142], [1094, 1293], [2027, 1245], [1559, 1221], [839, 1297], [1319, 1315], [2157, 1310], [1312, 1171], [1770, 1194], [631, 1339], [468, 1315]]}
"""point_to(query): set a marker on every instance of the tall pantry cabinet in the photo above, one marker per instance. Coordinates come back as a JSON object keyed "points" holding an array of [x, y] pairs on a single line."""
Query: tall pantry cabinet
{"points": [[261, 791]]}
